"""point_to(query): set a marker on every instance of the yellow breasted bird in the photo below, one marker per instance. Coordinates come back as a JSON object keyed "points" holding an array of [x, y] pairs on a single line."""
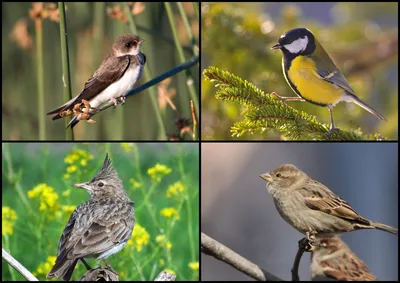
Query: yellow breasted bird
{"points": [[312, 75]]}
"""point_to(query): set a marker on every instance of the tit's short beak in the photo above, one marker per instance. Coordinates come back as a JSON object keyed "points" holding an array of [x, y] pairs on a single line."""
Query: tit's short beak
{"points": [[267, 177], [141, 40], [82, 186], [276, 46]]}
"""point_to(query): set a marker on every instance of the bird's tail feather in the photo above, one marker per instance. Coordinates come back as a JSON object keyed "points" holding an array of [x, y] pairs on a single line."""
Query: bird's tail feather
{"points": [[362, 104], [384, 227]]}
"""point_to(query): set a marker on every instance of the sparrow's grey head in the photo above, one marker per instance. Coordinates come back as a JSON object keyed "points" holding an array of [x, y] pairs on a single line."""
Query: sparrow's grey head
{"points": [[106, 182], [127, 44]]}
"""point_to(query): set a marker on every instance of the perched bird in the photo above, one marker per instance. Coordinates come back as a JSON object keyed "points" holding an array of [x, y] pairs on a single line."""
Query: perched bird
{"points": [[311, 207], [332, 258], [118, 73], [312, 75], [99, 227]]}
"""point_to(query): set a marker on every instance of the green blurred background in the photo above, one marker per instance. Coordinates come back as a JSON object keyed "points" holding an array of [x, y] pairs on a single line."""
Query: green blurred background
{"points": [[92, 28], [162, 180], [360, 37]]}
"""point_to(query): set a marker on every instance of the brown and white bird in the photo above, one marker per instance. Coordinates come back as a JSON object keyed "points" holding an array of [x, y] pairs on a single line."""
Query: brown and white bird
{"points": [[332, 258], [312, 208], [117, 74], [99, 227]]}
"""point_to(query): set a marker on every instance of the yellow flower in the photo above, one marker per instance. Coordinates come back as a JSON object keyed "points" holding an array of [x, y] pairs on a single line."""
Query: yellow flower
{"points": [[127, 146], [170, 271], [175, 189], [194, 265], [77, 155], [47, 196], [68, 209], [66, 176], [8, 218], [158, 171], [72, 169], [83, 162], [170, 212], [135, 184], [44, 268], [140, 237], [162, 241]]}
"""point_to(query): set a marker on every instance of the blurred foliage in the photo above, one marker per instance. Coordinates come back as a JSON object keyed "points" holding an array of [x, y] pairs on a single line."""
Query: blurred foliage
{"points": [[362, 41], [162, 180], [91, 31]]}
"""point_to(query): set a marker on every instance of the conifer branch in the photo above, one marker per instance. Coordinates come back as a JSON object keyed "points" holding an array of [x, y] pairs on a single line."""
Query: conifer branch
{"points": [[264, 112]]}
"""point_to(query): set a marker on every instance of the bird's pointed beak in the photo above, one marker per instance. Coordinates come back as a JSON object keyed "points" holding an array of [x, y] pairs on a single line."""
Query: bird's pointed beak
{"points": [[276, 46], [141, 40], [267, 177], [82, 186]]}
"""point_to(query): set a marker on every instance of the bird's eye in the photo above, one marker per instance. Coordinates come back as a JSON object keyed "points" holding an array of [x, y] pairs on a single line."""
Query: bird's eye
{"points": [[129, 44], [100, 184], [278, 175]]}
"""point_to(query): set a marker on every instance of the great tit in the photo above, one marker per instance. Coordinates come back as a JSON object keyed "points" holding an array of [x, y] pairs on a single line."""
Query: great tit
{"points": [[312, 75]]}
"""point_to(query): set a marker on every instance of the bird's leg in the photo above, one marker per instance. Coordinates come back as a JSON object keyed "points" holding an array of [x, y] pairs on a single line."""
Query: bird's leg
{"points": [[309, 241], [284, 99], [332, 129], [85, 263], [123, 98]]}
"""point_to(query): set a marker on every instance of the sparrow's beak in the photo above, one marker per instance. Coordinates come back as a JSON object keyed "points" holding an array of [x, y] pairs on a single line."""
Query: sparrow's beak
{"points": [[276, 46], [141, 40], [267, 177], [82, 186]]}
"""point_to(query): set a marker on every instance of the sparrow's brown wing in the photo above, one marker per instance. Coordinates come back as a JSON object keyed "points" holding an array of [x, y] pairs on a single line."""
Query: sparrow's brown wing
{"points": [[111, 70], [319, 197]]}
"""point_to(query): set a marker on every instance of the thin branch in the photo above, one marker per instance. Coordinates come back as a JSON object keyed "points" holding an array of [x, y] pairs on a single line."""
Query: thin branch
{"points": [[213, 248], [154, 81], [17, 266], [303, 244]]}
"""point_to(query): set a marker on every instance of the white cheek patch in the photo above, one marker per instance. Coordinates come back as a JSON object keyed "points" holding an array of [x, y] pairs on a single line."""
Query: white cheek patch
{"points": [[298, 45]]}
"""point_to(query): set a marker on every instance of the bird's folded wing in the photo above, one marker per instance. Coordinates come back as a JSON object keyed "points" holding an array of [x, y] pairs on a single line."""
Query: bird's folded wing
{"points": [[326, 201]]}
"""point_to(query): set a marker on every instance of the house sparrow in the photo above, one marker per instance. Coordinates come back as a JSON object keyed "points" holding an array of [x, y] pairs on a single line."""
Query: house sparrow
{"points": [[332, 258], [311, 207]]}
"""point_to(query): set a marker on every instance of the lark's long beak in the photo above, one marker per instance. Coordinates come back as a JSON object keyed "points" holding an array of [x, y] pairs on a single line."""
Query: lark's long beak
{"points": [[267, 177], [82, 186]]}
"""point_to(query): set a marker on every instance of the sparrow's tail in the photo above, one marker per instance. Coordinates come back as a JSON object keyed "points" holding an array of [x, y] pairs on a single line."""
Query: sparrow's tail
{"points": [[384, 227], [362, 104]]}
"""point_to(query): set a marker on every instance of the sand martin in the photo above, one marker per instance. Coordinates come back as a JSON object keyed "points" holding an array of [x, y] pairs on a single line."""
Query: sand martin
{"points": [[118, 73]]}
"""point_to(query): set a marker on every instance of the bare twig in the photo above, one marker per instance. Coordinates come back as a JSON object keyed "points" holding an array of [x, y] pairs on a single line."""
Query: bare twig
{"points": [[17, 266], [303, 243], [213, 248]]}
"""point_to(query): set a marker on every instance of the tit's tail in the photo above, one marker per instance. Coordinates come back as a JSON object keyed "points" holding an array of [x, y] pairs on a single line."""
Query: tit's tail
{"points": [[384, 227], [351, 97]]}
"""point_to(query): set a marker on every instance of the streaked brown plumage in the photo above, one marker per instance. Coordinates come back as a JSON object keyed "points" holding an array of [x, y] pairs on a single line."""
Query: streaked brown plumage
{"points": [[309, 206], [99, 227], [332, 258]]}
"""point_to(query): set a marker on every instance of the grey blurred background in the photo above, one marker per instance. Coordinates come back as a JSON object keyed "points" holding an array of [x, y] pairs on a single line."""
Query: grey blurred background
{"points": [[237, 210]]}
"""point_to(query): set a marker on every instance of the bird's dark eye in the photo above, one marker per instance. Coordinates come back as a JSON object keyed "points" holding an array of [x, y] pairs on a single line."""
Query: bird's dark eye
{"points": [[100, 184], [129, 44], [278, 175]]}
